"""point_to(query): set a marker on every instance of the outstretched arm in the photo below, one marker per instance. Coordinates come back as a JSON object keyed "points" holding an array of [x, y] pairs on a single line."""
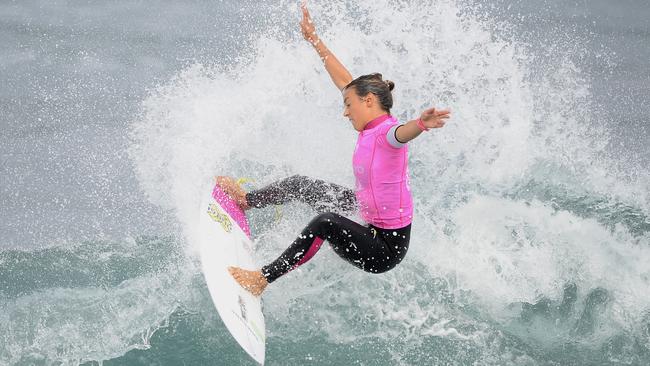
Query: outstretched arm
{"points": [[339, 74], [430, 118]]}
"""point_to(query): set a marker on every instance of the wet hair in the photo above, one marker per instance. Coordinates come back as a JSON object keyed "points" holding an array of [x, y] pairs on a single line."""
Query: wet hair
{"points": [[375, 84]]}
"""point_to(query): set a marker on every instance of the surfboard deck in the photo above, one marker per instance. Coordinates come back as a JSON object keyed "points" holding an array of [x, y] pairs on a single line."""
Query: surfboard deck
{"points": [[225, 241]]}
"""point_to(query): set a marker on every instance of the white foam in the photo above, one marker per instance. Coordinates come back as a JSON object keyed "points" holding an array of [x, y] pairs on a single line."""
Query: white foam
{"points": [[276, 113]]}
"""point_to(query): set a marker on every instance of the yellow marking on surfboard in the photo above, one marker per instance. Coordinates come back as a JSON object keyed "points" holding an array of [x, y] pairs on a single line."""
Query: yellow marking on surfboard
{"points": [[218, 216], [250, 325], [257, 331], [243, 180]]}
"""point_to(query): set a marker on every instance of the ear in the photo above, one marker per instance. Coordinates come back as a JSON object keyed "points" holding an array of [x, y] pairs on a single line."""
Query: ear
{"points": [[370, 99]]}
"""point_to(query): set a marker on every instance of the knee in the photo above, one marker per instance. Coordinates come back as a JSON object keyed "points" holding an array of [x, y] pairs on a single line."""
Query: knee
{"points": [[294, 183], [325, 219], [296, 180], [386, 263], [325, 225], [378, 268]]}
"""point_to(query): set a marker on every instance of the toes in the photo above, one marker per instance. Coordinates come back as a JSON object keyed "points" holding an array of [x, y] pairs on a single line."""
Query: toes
{"points": [[224, 182]]}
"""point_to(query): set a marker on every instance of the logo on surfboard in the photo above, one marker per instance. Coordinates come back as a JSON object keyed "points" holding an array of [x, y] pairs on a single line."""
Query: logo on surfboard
{"points": [[218, 216], [242, 308]]}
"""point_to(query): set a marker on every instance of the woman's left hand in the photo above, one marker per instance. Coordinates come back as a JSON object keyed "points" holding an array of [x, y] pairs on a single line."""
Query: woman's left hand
{"points": [[432, 118]]}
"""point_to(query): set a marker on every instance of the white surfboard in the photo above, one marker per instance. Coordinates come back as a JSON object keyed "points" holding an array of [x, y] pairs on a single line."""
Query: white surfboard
{"points": [[225, 241]]}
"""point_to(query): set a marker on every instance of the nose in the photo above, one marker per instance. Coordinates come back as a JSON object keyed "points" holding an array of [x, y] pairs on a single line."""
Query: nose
{"points": [[345, 112]]}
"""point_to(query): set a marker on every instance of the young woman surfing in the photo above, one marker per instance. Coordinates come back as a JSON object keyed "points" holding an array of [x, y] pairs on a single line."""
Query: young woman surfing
{"points": [[382, 194]]}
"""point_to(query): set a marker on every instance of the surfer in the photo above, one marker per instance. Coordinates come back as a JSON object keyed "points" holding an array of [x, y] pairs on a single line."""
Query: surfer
{"points": [[382, 193]]}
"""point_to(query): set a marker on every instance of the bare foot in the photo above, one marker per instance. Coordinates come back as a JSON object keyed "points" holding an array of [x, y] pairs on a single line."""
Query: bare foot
{"points": [[234, 190], [253, 281]]}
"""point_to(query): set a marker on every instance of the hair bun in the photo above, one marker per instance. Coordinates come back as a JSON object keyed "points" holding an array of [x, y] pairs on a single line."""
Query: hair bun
{"points": [[391, 85]]}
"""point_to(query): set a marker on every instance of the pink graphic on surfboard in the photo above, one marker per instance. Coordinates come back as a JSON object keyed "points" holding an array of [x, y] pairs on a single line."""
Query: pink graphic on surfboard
{"points": [[232, 209]]}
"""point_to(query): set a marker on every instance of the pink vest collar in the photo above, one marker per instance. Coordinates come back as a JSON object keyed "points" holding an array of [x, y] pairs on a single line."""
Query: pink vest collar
{"points": [[377, 121]]}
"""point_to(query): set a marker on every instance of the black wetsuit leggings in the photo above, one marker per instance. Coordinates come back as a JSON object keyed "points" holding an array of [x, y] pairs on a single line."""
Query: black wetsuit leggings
{"points": [[370, 248]]}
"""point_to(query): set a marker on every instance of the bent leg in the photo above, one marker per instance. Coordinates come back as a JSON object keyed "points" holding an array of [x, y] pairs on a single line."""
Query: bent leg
{"points": [[320, 195], [364, 247]]}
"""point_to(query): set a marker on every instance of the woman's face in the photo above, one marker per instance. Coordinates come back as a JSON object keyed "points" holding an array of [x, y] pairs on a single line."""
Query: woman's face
{"points": [[355, 108]]}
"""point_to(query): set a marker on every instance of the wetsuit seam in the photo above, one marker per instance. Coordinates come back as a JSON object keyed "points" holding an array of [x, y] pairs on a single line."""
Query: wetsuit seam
{"points": [[372, 160], [401, 188]]}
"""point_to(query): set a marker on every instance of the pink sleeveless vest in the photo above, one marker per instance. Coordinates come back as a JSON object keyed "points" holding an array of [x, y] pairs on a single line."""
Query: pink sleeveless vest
{"points": [[382, 181]]}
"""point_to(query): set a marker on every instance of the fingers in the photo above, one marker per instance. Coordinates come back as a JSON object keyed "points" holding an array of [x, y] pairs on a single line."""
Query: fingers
{"points": [[434, 118], [305, 13], [437, 115], [306, 24], [437, 112]]}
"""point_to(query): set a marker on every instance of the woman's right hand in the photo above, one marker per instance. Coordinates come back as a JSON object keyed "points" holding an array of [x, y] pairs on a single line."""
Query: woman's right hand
{"points": [[339, 74], [307, 26]]}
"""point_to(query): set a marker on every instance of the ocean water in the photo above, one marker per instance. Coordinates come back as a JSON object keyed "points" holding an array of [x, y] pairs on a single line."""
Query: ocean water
{"points": [[531, 236]]}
